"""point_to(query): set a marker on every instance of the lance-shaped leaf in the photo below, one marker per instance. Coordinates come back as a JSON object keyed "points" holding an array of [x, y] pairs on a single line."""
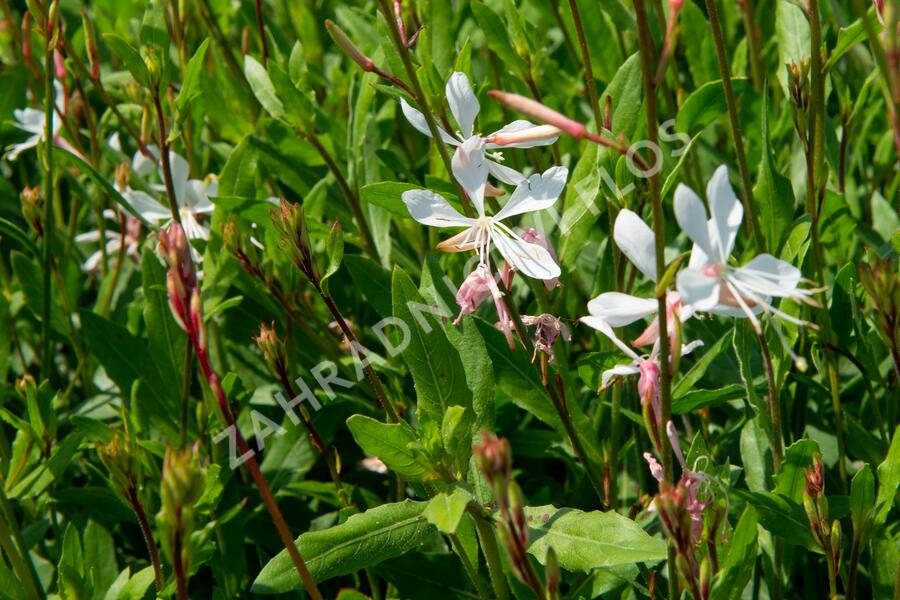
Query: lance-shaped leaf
{"points": [[363, 540], [395, 444]]}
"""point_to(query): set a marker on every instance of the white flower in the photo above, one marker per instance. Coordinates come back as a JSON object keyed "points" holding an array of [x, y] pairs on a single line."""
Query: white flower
{"points": [[637, 242], [470, 167], [31, 120], [115, 240], [464, 106], [191, 195], [709, 283]]}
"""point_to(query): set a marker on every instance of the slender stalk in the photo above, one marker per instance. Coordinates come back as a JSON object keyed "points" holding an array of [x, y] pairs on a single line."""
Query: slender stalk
{"points": [[492, 557], [178, 563], [403, 51], [383, 399], [47, 242], [349, 194], [185, 396], [756, 69], [17, 553], [476, 578], [774, 404], [665, 393], [557, 398], [263, 44], [736, 136], [586, 62], [138, 508], [164, 158]]}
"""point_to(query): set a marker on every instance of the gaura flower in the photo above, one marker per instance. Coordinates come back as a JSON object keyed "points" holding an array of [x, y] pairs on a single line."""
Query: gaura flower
{"points": [[192, 195], [464, 106], [709, 283], [31, 120], [636, 241], [547, 328], [115, 240], [646, 366], [470, 167]]}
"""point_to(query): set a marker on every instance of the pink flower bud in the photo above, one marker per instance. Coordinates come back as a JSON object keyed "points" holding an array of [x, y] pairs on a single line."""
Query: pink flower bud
{"points": [[532, 134], [539, 112], [478, 287], [648, 386], [60, 65]]}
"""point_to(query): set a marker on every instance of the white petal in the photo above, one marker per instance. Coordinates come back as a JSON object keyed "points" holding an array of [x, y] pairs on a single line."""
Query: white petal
{"points": [[727, 211], [142, 164], [146, 205], [698, 258], [196, 197], [463, 103], [180, 174], [691, 216], [193, 229], [417, 120], [538, 192], [690, 347], [521, 125], [504, 174], [88, 236], [769, 276], [115, 142], [30, 120], [698, 289], [603, 327], [14, 150], [637, 242], [620, 309], [471, 171], [618, 371], [429, 208], [93, 261], [529, 259]]}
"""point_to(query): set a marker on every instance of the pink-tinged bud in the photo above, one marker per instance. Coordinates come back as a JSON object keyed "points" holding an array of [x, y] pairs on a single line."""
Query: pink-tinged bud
{"points": [[539, 112], [197, 323], [181, 279], [90, 43], [676, 5], [532, 134], [59, 64], [815, 477], [879, 10], [478, 287], [493, 458], [648, 387], [26, 36]]}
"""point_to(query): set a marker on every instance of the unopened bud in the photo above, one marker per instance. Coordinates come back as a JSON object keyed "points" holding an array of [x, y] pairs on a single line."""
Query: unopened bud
{"points": [[340, 38], [51, 20], [705, 577], [552, 573], [836, 536], [31, 208], [245, 41], [197, 322], [26, 386], [493, 457], [181, 279], [290, 222], [59, 64], [90, 43], [539, 112], [273, 348], [26, 37], [123, 176], [815, 478], [531, 134], [120, 457]]}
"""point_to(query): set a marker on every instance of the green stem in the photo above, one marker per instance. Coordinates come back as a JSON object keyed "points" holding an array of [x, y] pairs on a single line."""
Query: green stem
{"points": [[492, 557], [18, 557], [774, 403], [480, 584], [736, 136], [47, 246], [665, 393], [185, 395], [403, 51], [756, 70], [138, 508]]}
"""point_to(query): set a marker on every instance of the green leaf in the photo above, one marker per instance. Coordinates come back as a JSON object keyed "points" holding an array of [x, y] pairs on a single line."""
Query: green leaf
{"points": [[395, 444], [364, 540], [888, 480], [154, 31], [130, 56], [373, 280], [298, 109], [850, 36], [167, 341], [696, 399], [792, 35], [190, 86], [445, 511], [106, 341], [100, 557], [262, 87], [706, 104], [432, 360], [456, 434], [495, 30], [736, 570], [238, 178], [690, 379], [862, 498], [755, 455], [100, 181], [791, 479], [781, 516], [334, 249], [588, 540], [773, 192], [387, 194]]}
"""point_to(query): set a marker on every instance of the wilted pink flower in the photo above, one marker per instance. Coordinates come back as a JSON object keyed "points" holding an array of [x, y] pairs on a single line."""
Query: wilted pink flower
{"points": [[547, 329], [478, 287], [648, 386]]}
